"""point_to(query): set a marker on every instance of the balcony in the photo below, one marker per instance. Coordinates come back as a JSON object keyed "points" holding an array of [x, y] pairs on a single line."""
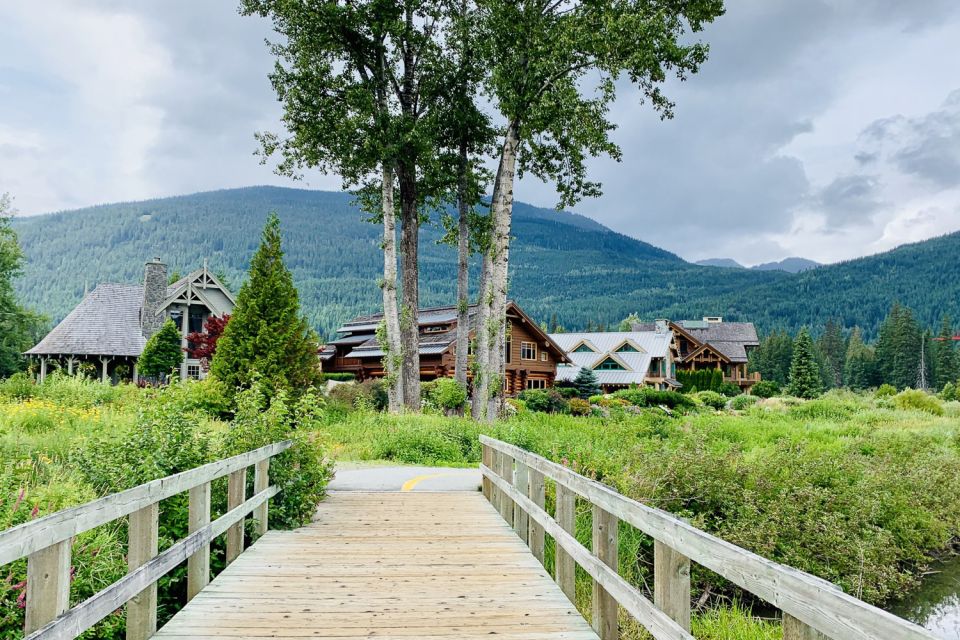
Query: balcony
{"points": [[743, 379]]}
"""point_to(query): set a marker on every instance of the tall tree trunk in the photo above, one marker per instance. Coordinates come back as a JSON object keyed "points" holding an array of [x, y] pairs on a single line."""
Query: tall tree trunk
{"points": [[410, 293], [463, 274], [481, 348], [495, 296], [390, 342]]}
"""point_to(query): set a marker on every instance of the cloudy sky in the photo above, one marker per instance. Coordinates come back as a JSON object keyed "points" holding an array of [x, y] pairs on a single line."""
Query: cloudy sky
{"points": [[823, 128]]}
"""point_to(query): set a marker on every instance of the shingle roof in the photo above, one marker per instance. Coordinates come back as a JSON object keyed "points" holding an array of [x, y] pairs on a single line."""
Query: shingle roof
{"points": [[106, 322], [729, 338]]}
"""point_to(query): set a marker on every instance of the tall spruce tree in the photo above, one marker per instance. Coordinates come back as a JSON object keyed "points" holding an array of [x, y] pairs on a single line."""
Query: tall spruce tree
{"points": [[586, 383], [946, 363], [805, 380], [773, 357], [898, 348], [859, 367], [163, 352], [267, 337], [833, 352]]}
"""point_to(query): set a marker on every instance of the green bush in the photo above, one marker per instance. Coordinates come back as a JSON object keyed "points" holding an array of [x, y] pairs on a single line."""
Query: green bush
{"points": [[447, 394], [567, 392], [337, 376], [544, 401], [19, 386], [580, 407], [729, 389], [371, 394], [885, 391], [743, 401], [711, 399], [914, 399], [453, 443], [949, 392], [765, 389], [646, 397]]}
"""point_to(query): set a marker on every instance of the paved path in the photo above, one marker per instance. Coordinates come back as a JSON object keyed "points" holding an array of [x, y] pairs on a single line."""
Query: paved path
{"points": [[369, 477], [390, 565]]}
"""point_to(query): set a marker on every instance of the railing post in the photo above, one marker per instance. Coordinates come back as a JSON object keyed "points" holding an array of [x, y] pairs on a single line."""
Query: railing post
{"points": [[605, 543], [671, 575], [537, 493], [48, 585], [506, 472], [486, 457], [566, 516], [793, 629], [142, 534], [236, 494], [521, 521], [198, 565], [261, 482]]}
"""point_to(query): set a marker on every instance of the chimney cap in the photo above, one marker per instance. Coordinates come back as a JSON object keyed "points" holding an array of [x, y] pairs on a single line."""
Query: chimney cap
{"points": [[155, 260]]}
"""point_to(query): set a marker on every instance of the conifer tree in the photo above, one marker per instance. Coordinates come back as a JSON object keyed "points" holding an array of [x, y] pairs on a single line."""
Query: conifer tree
{"points": [[833, 351], [946, 362], [898, 348], [772, 359], [267, 337], [858, 370], [162, 353], [805, 380], [586, 383]]}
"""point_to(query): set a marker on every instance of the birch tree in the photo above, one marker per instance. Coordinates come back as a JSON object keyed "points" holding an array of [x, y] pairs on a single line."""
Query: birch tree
{"points": [[350, 76], [553, 68]]}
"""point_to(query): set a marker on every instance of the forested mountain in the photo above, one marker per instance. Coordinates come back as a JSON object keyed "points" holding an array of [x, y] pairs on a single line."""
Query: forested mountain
{"points": [[790, 265], [566, 268]]}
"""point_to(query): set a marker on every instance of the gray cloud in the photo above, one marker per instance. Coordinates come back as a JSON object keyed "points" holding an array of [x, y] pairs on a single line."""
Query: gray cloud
{"points": [[850, 199]]}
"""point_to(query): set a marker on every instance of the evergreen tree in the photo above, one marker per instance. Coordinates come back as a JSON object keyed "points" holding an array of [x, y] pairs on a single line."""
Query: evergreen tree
{"points": [[162, 353], [586, 383], [833, 351], [19, 328], [772, 358], [805, 380], [898, 348], [267, 337], [859, 368], [946, 364]]}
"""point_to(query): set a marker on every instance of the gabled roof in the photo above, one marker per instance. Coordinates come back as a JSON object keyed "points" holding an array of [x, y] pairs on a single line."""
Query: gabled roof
{"points": [[106, 322], [729, 339], [651, 344]]}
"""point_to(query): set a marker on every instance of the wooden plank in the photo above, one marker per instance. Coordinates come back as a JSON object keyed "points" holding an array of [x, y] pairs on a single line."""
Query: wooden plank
{"points": [[521, 523], [142, 547], [810, 599], [261, 480], [198, 564], [486, 457], [236, 494], [671, 591], [48, 585], [659, 624], [506, 472], [565, 568], [24, 539], [793, 629], [91, 611], [605, 547], [538, 493]]}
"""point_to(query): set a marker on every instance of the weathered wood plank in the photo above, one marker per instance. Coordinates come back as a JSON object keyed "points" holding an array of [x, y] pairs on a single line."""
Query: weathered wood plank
{"points": [[198, 564], [565, 568], [236, 494], [793, 629], [537, 493], [24, 539], [486, 457], [521, 523], [143, 530], [48, 585], [261, 480], [605, 547], [671, 590], [810, 599]]}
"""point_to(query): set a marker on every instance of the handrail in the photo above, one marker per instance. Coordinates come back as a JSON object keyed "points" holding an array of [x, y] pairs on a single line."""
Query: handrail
{"points": [[806, 600], [46, 542]]}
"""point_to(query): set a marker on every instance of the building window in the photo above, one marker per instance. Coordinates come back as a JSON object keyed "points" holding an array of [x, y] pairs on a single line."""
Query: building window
{"points": [[196, 322], [436, 329], [536, 383], [583, 349], [627, 348], [193, 371], [610, 365], [176, 316], [508, 349], [528, 350], [544, 356]]}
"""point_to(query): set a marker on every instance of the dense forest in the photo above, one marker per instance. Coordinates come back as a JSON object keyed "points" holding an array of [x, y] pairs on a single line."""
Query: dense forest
{"points": [[564, 266]]}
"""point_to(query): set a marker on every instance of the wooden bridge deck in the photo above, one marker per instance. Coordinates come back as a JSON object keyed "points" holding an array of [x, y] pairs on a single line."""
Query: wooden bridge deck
{"points": [[386, 565]]}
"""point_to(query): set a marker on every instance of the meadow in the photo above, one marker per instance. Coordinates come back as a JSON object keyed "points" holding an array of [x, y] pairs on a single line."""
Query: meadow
{"points": [[861, 490]]}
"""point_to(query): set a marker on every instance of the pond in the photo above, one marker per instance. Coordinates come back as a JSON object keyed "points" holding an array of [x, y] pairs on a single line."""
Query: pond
{"points": [[936, 604]]}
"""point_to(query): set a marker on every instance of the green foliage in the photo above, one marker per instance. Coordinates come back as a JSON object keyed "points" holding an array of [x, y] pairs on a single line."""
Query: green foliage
{"points": [[729, 389], [580, 407], [544, 401], [742, 402], [163, 352], [337, 376], [773, 357], [267, 339], [647, 397], [19, 386], [898, 348], [805, 380], [946, 360], [449, 443], [860, 368], [885, 391], [949, 392], [701, 380], [711, 399], [765, 389], [832, 348], [369, 393], [447, 394], [917, 400], [586, 383]]}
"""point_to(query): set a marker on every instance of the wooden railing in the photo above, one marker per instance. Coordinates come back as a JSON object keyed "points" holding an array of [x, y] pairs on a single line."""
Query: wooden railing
{"points": [[513, 481], [45, 543]]}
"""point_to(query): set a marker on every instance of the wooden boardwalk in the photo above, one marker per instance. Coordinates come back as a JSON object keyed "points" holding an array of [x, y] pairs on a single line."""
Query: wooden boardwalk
{"points": [[386, 565]]}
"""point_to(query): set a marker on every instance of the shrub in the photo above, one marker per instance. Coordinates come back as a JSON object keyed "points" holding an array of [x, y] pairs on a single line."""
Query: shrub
{"points": [[915, 399], [447, 394], [765, 389], [885, 391], [729, 389], [544, 400], [949, 392], [337, 376], [370, 394], [19, 386], [163, 353], [711, 399], [426, 444], [742, 402], [646, 397], [580, 407], [567, 392]]}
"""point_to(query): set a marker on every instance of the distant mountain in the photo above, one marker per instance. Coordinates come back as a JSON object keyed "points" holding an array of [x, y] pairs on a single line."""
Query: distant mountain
{"points": [[725, 263], [790, 265], [565, 268]]}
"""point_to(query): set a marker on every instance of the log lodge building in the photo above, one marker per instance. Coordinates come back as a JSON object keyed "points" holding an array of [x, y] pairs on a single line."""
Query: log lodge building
{"points": [[531, 363]]}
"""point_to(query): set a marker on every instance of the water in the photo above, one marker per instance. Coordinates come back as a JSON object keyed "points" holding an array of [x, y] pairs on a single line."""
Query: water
{"points": [[936, 604]]}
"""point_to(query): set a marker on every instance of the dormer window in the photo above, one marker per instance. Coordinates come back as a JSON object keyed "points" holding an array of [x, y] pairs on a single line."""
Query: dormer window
{"points": [[609, 364], [626, 347], [584, 348]]}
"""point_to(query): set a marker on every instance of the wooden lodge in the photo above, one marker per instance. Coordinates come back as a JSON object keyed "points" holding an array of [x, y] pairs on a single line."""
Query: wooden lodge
{"points": [[531, 363]]}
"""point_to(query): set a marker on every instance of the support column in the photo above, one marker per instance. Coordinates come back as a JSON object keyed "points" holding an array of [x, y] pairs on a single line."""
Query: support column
{"points": [[43, 368], [103, 376], [70, 365], [184, 326], [136, 375]]}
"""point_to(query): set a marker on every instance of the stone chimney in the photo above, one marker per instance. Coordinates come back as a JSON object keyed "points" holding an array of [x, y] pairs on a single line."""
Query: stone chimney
{"points": [[661, 326], [154, 292]]}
